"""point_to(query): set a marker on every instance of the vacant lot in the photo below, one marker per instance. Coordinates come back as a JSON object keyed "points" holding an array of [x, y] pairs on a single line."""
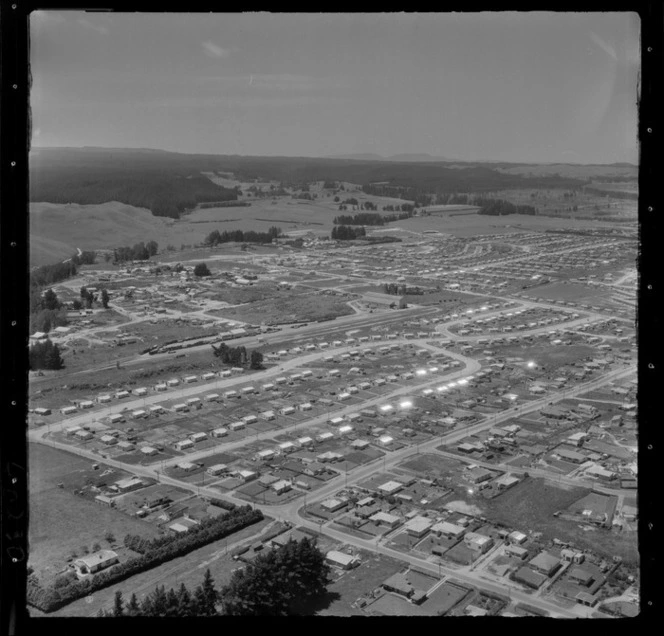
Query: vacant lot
{"points": [[288, 309], [256, 292], [444, 598], [546, 355], [476, 224], [393, 605], [530, 506], [433, 465], [448, 299], [569, 291]]}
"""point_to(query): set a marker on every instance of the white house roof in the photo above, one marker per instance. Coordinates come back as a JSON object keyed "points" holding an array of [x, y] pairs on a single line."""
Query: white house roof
{"points": [[97, 558]]}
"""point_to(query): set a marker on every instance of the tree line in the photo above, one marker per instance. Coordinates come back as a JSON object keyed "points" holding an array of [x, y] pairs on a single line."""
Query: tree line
{"points": [[46, 311], [239, 236], [238, 356], [84, 258], [50, 274], [166, 195], [347, 233], [409, 208], [500, 207], [45, 355], [224, 204], [363, 218], [138, 252], [401, 290], [279, 582]]}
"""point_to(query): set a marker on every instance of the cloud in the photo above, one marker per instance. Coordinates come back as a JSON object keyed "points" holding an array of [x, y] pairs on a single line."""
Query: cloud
{"points": [[213, 50], [91, 25], [279, 82], [607, 48]]}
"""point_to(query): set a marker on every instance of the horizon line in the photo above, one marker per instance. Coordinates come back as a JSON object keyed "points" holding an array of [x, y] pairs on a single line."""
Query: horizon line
{"points": [[338, 156]]}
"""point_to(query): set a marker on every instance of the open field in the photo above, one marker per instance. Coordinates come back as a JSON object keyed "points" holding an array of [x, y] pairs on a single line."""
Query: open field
{"points": [[262, 290], [58, 229], [282, 310], [61, 522], [469, 225], [574, 171], [546, 355], [570, 291]]}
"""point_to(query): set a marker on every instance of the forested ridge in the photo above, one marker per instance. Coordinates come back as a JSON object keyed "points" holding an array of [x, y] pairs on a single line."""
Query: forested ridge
{"points": [[168, 183], [166, 189]]}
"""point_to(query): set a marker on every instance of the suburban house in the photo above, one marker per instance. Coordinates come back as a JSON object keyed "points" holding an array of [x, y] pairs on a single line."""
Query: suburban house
{"points": [[516, 551], [385, 519], [448, 530], [341, 560], [128, 484], [529, 577], [418, 526], [281, 486], [399, 584], [545, 563], [478, 543], [95, 562], [332, 505]]}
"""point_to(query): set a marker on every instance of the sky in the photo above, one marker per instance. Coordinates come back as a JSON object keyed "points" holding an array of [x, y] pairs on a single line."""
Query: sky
{"points": [[520, 87]]}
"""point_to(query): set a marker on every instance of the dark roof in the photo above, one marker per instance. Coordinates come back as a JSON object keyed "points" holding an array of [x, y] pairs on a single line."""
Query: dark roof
{"points": [[530, 577]]}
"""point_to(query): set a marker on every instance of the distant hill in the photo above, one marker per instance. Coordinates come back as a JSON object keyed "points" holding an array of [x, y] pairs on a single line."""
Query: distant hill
{"points": [[417, 157], [366, 156], [403, 157], [167, 183], [56, 230]]}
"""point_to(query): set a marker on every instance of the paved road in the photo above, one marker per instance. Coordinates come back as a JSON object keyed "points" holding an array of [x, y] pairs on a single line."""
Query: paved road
{"points": [[290, 511], [282, 337], [194, 389]]}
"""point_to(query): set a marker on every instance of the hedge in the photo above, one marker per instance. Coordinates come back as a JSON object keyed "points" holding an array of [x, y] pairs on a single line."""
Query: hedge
{"points": [[159, 551]]}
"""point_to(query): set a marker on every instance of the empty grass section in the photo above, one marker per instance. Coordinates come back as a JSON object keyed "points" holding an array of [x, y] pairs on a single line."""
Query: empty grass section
{"points": [[278, 310]]}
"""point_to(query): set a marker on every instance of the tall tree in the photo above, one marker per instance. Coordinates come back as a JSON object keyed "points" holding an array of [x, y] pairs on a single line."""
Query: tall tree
{"points": [[185, 602], [118, 604], [201, 270], [256, 360], [210, 593], [50, 300], [133, 608]]}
